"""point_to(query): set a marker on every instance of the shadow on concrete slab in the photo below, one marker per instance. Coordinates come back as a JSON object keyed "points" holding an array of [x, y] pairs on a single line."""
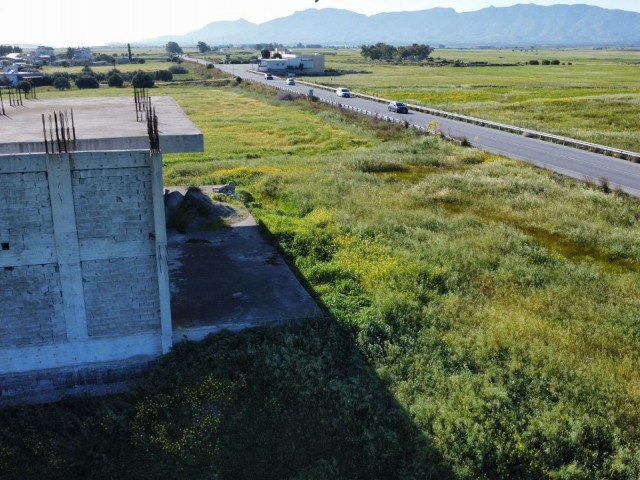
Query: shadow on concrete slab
{"points": [[231, 278]]}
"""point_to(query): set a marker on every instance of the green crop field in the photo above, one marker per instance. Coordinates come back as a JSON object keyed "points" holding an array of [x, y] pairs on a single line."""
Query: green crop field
{"points": [[482, 315], [593, 95]]}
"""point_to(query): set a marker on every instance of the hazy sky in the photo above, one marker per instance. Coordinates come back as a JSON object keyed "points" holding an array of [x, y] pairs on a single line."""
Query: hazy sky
{"points": [[83, 23]]}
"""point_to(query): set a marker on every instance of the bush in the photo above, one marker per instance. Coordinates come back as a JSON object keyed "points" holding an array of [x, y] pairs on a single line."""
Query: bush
{"points": [[87, 81], [534, 62], [24, 85], [61, 83], [142, 80], [116, 80], [163, 75], [178, 69]]}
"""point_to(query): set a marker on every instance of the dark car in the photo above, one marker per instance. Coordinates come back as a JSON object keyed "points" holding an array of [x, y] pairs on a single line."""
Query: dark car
{"points": [[268, 76], [398, 107]]}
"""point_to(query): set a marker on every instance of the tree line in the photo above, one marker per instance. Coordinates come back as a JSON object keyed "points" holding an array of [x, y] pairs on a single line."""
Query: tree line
{"points": [[6, 49], [383, 51]]}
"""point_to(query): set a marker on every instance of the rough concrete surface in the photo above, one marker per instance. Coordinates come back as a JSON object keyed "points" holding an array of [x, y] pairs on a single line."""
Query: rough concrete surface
{"points": [[108, 123], [231, 278]]}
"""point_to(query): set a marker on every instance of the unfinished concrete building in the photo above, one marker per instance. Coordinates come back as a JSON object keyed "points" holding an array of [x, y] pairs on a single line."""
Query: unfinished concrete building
{"points": [[84, 289]]}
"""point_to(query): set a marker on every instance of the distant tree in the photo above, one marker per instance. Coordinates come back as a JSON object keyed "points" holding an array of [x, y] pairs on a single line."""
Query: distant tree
{"points": [[383, 51], [379, 51], [70, 52], [5, 49], [163, 75], [24, 85], [142, 80], [416, 52], [62, 83], [534, 62], [103, 57], [203, 47], [178, 69], [265, 53], [116, 80], [276, 55], [87, 81], [173, 47]]}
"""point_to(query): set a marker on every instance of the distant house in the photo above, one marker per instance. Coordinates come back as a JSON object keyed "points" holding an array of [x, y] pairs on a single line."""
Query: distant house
{"points": [[42, 55], [14, 58], [308, 63], [83, 55], [13, 75], [41, 50]]}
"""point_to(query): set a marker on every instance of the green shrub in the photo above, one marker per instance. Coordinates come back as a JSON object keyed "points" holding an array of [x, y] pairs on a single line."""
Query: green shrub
{"points": [[61, 83], [87, 81], [178, 69], [142, 80], [116, 80], [163, 75]]}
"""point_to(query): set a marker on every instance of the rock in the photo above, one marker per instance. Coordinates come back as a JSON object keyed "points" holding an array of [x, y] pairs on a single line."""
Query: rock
{"points": [[228, 189], [198, 202], [172, 202]]}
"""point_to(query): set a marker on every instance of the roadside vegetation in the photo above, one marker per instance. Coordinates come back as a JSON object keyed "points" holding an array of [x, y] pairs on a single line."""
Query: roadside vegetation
{"points": [[591, 95], [481, 319]]}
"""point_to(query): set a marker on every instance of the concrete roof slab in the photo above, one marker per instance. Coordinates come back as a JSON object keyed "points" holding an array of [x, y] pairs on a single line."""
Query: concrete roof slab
{"points": [[100, 124]]}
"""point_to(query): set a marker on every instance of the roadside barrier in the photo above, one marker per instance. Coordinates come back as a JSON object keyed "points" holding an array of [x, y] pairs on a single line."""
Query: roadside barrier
{"points": [[569, 142], [548, 137]]}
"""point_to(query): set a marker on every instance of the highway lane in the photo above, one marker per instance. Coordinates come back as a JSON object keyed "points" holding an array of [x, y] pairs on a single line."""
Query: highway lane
{"points": [[572, 162]]}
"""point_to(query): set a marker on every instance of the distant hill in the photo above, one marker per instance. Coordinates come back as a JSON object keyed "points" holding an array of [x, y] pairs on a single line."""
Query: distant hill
{"points": [[519, 25]]}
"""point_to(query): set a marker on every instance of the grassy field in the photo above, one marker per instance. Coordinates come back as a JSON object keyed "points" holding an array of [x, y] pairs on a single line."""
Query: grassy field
{"points": [[593, 95], [482, 320]]}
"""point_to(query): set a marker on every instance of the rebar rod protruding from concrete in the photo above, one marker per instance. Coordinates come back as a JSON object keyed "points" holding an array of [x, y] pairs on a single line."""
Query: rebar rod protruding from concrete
{"points": [[51, 133], [73, 127], [44, 131], [55, 117]]}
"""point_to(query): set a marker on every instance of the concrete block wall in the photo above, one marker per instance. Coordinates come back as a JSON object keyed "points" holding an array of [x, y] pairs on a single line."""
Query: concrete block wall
{"points": [[129, 283], [83, 273]]}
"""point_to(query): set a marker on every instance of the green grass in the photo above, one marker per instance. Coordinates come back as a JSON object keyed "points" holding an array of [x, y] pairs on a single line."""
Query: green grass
{"points": [[482, 320], [594, 95]]}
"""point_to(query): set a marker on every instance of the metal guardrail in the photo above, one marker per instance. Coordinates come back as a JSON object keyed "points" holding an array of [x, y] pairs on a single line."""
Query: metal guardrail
{"points": [[566, 141], [570, 142]]}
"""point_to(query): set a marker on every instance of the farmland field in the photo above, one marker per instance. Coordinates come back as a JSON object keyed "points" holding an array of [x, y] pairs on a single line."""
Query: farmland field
{"points": [[482, 315], [592, 95]]}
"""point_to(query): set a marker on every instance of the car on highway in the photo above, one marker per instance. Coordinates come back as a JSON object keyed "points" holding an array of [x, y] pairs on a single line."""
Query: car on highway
{"points": [[343, 92], [398, 107], [291, 81], [268, 76]]}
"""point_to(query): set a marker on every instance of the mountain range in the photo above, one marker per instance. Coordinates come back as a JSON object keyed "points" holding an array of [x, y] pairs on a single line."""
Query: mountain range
{"points": [[518, 25]]}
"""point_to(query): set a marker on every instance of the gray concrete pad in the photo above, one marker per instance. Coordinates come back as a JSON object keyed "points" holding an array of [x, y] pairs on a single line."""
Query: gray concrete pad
{"points": [[231, 278], [100, 124]]}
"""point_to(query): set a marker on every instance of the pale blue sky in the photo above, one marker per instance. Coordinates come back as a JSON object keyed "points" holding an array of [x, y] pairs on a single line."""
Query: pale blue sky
{"points": [[82, 23]]}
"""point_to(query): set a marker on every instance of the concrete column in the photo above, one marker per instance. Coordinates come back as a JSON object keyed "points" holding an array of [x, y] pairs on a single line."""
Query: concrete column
{"points": [[157, 186], [66, 241]]}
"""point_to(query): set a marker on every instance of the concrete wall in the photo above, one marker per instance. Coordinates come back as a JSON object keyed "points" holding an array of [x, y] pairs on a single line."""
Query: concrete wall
{"points": [[83, 268]]}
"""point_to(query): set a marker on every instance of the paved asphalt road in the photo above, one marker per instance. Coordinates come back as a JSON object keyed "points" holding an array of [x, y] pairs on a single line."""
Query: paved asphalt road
{"points": [[568, 161]]}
